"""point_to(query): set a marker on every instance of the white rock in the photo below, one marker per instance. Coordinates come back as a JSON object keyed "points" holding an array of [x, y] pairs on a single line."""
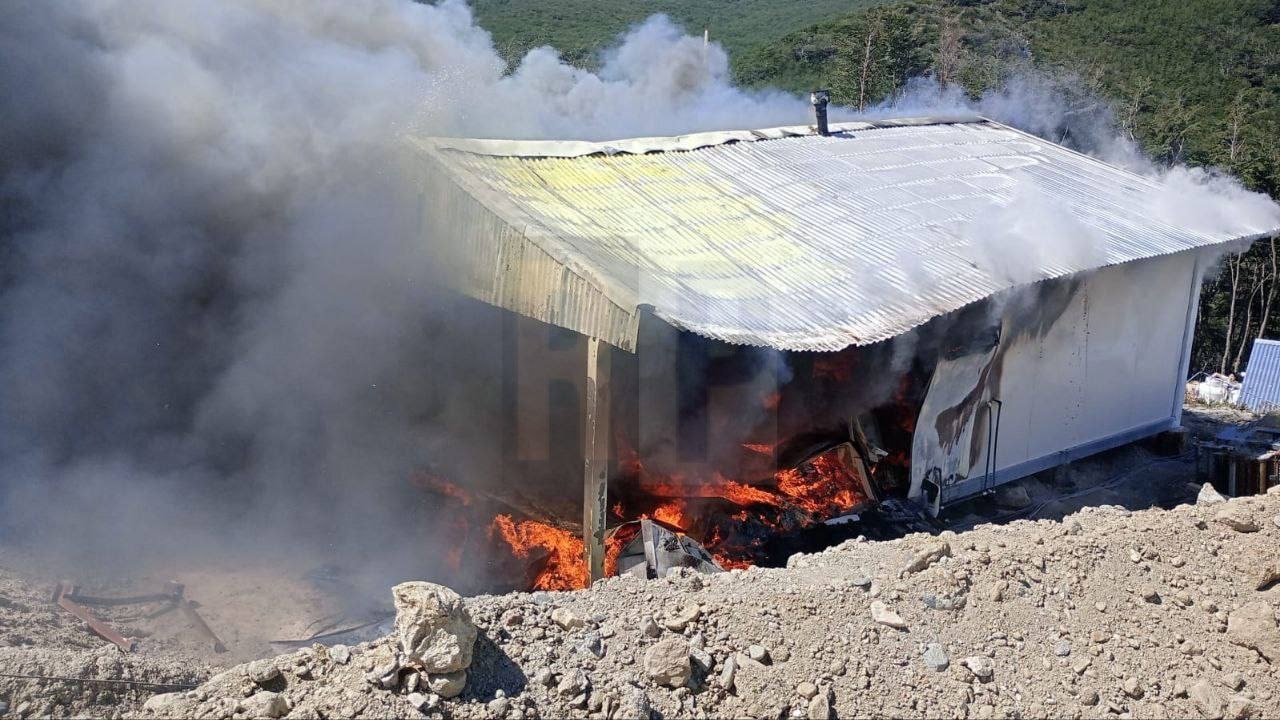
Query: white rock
{"points": [[683, 617], [982, 667], [448, 685], [566, 619], [667, 662], [262, 671], [935, 657], [1209, 496], [265, 704], [883, 615], [433, 628], [573, 683], [649, 627], [759, 653], [340, 654]]}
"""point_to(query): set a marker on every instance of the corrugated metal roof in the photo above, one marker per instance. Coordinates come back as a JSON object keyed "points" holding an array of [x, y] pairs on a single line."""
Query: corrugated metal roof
{"points": [[780, 237], [1261, 389]]}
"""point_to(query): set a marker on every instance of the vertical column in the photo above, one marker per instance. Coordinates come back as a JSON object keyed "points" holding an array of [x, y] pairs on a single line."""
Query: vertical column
{"points": [[595, 453]]}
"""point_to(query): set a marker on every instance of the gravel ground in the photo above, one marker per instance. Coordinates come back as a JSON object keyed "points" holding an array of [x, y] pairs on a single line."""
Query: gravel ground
{"points": [[39, 639], [1106, 613]]}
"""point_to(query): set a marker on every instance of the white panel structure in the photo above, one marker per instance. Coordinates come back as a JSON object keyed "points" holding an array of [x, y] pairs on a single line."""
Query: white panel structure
{"points": [[1082, 365]]}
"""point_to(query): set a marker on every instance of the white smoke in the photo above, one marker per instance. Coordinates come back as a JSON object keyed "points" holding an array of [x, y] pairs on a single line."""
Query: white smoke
{"points": [[215, 314], [1059, 109]]}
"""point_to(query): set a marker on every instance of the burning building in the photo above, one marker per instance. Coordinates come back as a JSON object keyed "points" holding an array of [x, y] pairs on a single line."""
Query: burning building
{"points": [[755, 332]]}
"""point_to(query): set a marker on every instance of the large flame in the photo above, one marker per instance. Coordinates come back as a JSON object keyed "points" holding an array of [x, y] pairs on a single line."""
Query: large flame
{"points": [[565, 566], [732, 518]]}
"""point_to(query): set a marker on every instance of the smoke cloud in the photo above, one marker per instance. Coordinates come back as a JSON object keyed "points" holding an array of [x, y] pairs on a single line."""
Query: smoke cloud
{"points": [[216, 322]]}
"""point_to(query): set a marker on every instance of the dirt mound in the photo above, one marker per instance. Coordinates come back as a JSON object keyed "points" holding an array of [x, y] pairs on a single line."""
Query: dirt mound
{"points": [[1109, 612]]}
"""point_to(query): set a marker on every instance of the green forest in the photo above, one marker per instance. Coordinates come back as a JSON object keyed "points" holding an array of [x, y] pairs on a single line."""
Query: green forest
{"points": [[1193, 82]]}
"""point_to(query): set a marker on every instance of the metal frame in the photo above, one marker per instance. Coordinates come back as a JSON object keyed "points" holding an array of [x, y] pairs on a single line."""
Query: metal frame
{"points": [[595, 460]]}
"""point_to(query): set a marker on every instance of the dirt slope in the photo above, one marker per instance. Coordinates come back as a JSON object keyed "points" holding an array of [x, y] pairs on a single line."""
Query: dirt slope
{"points": [[1108, 613]]}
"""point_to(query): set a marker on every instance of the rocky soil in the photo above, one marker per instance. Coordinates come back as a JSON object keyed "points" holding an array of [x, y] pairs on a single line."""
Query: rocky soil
{"points": [[39, 641], [1107, 613]]}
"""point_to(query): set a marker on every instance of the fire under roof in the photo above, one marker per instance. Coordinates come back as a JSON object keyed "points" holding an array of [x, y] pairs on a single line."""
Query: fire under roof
{"points": [[782, 238]]}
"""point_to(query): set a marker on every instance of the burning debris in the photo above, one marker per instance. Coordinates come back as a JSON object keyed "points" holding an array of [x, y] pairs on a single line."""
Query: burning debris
{"points": [[655, 550]]}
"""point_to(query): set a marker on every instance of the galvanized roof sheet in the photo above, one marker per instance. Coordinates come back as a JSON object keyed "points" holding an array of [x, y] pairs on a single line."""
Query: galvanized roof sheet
{"points": [[1260, 391], [784, 238]]}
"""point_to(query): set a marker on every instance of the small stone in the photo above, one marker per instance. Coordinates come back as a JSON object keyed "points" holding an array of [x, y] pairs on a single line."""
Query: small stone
{"points": [[1149, 593], [1209, 496], [573, 684], [544, 677], [262, 671], [1135, 556], [995, 592], [935, 657], [592, 644], [981, 667], [162, 705], [1099, 636], [861, 580], [649, 627], [882, 614], [820, 707], [1237, 518], [1209, 702], [566, 618], [512, 618], [265, 704], [1088, 697], [759, 653], [447, 685], [498, 706], [1079, 666], [1132, 688], [683, 617], [728, 673], [1267, 576], [340, 654], [807, 690], [933, 551], [702, 659], [1239, 708], [667, 662], [1233, 680], [1177, 561], [780, 655], [425, 703], [1062, 648]]}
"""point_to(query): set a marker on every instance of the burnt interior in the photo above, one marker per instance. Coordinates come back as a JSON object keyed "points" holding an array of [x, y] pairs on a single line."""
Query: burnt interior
{"points": [[744, 465]]}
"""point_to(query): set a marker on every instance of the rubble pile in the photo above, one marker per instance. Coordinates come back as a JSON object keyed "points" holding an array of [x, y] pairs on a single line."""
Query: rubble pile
{"points": [[1109, 613]]}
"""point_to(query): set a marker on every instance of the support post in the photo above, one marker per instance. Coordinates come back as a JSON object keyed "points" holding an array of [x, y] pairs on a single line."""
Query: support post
{"points": [[595, 459]]}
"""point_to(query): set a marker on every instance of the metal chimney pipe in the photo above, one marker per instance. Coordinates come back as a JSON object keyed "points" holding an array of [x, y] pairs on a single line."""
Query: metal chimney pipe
{"points": [[820, 98]]}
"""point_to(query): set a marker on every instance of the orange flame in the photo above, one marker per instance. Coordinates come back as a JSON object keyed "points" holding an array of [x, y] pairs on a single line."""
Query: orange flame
{"points": [[565, 567]]}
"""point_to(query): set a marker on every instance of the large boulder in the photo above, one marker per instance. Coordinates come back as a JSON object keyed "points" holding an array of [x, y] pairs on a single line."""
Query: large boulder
{"points": [[433, 628]]}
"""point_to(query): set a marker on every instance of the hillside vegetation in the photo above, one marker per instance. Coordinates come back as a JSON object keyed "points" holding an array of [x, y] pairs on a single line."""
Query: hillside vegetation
{"points": [[580, 28]]}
